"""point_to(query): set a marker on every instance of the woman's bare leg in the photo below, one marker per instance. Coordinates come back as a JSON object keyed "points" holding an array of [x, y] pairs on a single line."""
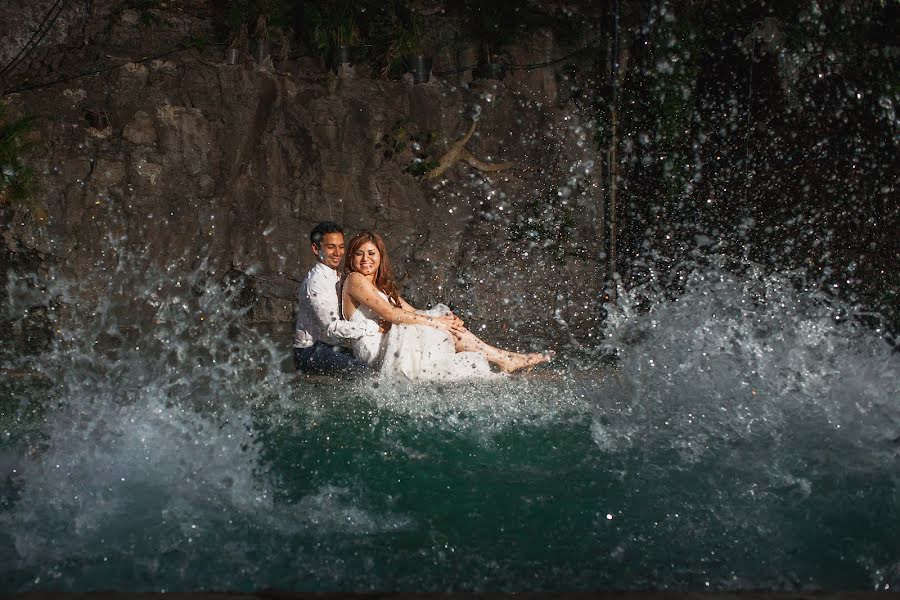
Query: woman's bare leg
{"points": [[506, 360]]}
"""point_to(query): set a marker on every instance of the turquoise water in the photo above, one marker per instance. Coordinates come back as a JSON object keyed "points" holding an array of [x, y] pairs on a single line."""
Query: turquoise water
{"points": [[746, 438]]}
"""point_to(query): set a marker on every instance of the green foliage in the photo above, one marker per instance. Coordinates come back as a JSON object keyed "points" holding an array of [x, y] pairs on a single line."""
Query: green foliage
{"points": [[17, 179], [674, 82], [657, 93], [396, 33], [406, 141], [408, 26], [674, 85], [395, 141], [333, 24], [419, 167], [392, 30]]}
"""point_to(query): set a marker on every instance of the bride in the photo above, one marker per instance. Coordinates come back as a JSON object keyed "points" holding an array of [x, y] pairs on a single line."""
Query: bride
{"points": [[429, 345]]}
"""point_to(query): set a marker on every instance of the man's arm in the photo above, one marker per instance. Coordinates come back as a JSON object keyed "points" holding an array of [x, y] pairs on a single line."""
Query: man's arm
{"points": [[325, 308], [351, 330]]}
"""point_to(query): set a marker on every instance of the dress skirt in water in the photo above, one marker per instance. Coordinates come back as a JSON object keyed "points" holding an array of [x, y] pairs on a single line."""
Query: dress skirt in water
{"points": [[418, 352]]}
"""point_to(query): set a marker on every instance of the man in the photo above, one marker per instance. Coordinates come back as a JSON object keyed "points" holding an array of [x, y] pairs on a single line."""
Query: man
{"points": [[321, 339]]}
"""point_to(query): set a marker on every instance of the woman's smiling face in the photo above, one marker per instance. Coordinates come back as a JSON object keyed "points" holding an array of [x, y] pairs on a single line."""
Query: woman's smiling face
{"points": [[366, 259]]}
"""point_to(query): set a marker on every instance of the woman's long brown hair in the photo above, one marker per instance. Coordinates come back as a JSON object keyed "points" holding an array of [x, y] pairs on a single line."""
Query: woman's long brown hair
{"points": [[384, 276]]}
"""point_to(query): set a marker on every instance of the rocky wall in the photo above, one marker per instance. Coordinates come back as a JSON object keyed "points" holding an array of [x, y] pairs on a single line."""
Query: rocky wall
{"points": [[185, 160]]}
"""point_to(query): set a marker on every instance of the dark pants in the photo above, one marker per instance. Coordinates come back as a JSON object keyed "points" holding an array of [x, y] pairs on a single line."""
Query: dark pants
{"points": [[322, 359]]}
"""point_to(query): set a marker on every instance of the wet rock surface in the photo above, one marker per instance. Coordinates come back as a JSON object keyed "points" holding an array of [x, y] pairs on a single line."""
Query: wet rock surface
{"points": [[186, 160]]}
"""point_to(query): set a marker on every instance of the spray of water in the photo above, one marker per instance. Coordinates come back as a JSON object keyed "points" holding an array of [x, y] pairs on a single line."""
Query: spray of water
{"points": [[147, 432], [142, 401], [166, 437], [741, 350], [773, 399]]}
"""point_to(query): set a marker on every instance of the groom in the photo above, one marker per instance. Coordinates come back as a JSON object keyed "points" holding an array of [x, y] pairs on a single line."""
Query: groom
{"points": [[321, 338]]}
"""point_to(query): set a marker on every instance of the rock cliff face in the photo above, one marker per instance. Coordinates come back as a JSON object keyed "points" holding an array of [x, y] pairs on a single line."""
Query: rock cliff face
{"points": [[184, 159]]}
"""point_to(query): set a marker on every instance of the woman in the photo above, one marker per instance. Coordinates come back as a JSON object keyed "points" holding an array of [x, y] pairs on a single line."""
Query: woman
{"points": [[417, 344]]}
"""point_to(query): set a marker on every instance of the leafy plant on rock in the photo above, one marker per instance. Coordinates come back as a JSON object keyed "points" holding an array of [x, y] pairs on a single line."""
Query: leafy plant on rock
{"points": [[404, 38], [333, 25], [408, 142], [17, 179]]}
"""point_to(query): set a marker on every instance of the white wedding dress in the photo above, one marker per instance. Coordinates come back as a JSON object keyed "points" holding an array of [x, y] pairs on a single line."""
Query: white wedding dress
{"points": [[417, 352]]}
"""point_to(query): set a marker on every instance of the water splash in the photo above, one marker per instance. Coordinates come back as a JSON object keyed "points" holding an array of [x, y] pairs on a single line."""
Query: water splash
{"points": [[776, 405], [751, 421], [140, 426], [740, 349]]}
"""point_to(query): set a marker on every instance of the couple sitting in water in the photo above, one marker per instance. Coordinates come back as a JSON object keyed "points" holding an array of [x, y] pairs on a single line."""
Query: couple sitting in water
{"points": [[358, 323]]}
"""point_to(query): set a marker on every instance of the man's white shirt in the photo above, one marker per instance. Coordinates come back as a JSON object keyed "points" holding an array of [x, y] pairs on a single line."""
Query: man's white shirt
{"points": [[319, 313]]}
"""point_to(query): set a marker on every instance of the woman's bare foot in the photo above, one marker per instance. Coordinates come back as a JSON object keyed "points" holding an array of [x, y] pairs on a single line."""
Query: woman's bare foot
{"points": [[517, 362]]}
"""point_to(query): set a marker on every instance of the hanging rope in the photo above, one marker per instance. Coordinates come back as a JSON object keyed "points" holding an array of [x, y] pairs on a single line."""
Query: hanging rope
{"points": [[37, 37], [528, 66], [107, 69]]}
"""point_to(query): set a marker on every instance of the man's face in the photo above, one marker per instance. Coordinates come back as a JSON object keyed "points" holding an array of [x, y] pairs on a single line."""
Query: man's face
{"points": [[330, 251]]}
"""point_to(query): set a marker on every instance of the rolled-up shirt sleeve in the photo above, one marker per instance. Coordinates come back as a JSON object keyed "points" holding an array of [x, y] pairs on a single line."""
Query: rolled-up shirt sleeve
{"points": [[352, 330]]}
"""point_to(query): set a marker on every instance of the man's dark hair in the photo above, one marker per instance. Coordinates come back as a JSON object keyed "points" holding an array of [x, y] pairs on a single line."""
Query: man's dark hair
{"points": [[316, 235]]}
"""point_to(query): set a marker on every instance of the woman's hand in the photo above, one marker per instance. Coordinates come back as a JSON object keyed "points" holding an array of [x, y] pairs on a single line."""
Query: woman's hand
{"points": [[449, 323], [458, 320]]}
